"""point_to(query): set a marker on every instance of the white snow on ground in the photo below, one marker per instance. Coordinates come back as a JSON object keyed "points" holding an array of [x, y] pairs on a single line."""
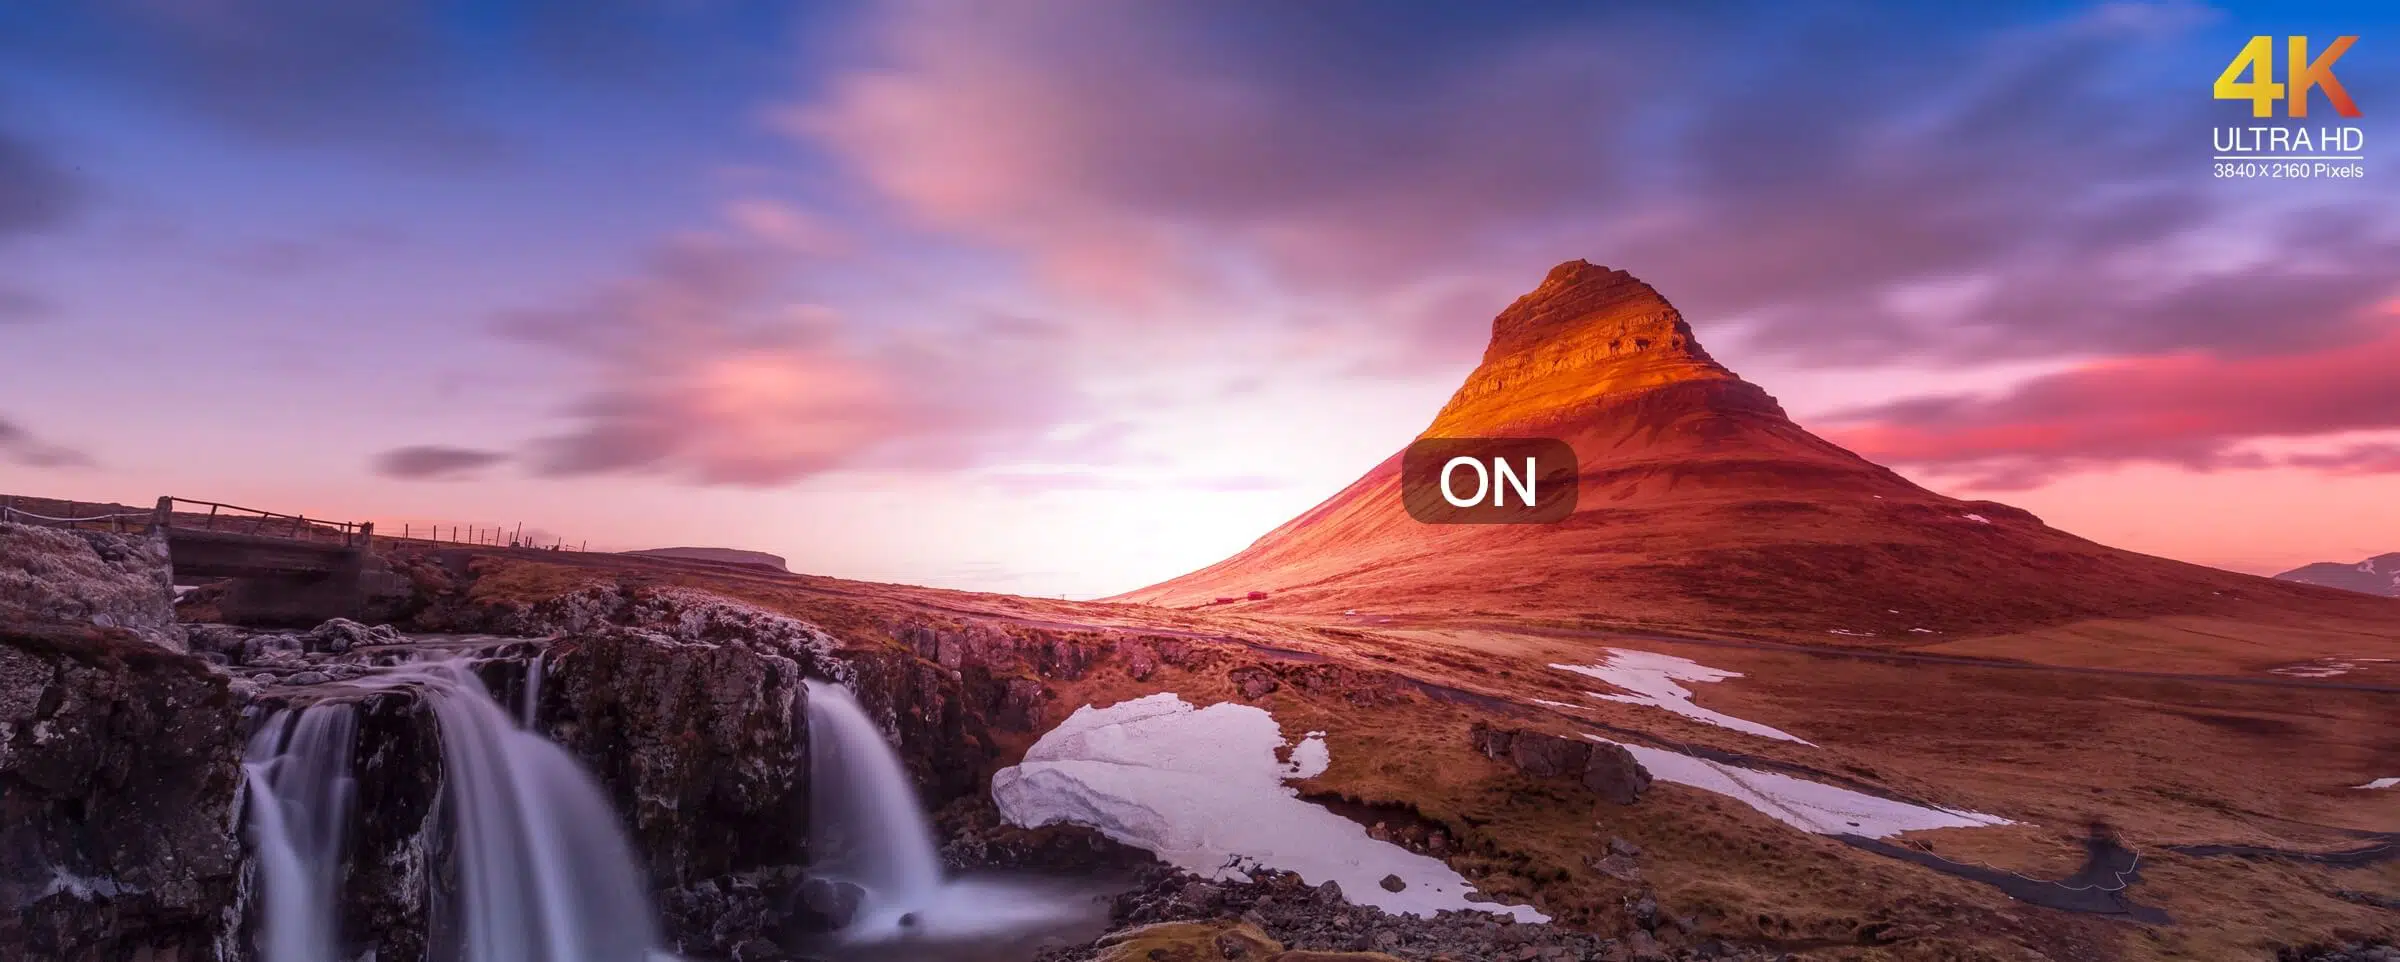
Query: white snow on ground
{"points": [[1652, 679], [2383, 783], [1201, 789], [2320, 668], [1800, 803], [1978, 519]]}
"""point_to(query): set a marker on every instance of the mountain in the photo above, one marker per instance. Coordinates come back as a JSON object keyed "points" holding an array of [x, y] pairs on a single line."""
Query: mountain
{"points": [[731, 556], [1702, 505], [2379, 575]]}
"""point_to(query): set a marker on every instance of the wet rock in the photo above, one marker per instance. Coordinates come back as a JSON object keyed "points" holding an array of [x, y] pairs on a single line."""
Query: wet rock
{"points": [[701, 746], [308, 678], [830, 904], [119, 764], [976, 837], [341, 634], [51, 577], [735, 916], [395, 874], [225, 641]]}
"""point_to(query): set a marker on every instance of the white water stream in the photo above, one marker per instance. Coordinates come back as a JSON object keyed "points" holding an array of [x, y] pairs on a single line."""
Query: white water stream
{"points": [[544, 873], [866, 827], [298, 769]]}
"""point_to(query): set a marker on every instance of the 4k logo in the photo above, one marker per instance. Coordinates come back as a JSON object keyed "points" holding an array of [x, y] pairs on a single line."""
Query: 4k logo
{"points": [[2261, 90]]}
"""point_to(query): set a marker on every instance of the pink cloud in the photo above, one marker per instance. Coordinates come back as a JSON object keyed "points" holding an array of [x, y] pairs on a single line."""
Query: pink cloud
{"points": [[705, 366], [2189, 408]]}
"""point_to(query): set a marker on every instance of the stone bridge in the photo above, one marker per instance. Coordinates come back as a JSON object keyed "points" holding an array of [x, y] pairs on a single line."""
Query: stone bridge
{"points": [[280, 568]]}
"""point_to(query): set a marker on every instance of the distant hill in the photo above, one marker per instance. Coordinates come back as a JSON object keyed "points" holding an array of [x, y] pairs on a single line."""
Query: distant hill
{"points": [[2379, 575], [731, 556]]}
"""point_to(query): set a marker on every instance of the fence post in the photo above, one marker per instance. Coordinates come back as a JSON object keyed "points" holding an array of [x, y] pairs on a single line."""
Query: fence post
{"points": [[163, 515], [366, 535]]}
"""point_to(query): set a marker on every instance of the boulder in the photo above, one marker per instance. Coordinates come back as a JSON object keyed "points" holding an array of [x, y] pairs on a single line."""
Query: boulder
{"points": [[1608, 770], [829, 904], [1613, 773], [339, 635]]}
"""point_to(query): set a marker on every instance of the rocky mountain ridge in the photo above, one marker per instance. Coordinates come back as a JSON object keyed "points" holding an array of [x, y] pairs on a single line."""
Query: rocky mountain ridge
{"points": [[2379, 575]]}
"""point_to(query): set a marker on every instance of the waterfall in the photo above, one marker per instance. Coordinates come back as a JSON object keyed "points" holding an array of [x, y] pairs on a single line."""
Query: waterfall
{"points": [[865, 825], [298, 771], [546, 876], [866, 828], [533, 689]]}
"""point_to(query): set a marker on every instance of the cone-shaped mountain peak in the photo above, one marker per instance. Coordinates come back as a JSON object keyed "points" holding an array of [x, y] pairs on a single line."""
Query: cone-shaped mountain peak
{"points": [[1700, 504], [1585, 333]]}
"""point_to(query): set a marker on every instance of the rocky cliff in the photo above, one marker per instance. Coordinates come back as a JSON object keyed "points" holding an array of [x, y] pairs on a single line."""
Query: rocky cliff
{"points": [[120, 758], [120, 765]]}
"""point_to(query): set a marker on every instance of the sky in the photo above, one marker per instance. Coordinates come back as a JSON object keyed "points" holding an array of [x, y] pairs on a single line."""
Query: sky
{"points": [[1068, 298]]}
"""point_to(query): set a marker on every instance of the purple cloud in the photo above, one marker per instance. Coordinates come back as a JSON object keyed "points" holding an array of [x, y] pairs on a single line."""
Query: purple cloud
{"points": [[431, 462], [1398, 166], [21, 447]]}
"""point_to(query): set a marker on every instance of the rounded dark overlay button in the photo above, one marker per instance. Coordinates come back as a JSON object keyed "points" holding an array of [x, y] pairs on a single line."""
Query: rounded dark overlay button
{"points": [[1488, 480]]}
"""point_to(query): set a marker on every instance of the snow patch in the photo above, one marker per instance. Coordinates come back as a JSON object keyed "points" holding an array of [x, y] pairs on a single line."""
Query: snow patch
{"points": [[1808, 806], [2320, 668], [1201, 789], [2383, 783], [1653, 680], [1977, 518], [1853, 634]]}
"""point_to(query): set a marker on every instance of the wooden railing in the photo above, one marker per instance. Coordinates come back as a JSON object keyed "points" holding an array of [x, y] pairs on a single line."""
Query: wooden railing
{"points": [[253, 521], [193, 514]]}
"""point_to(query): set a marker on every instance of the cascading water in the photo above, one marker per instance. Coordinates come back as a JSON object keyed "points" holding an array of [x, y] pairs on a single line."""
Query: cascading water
{"points": [[866, 828], [298, 772], [865, 825], [528, 712], [546, 876], [544, 873]]}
